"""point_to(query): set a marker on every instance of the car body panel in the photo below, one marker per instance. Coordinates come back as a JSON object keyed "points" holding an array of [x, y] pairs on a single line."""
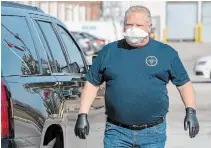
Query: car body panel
{"points": [[11, 11], [34, 99]]}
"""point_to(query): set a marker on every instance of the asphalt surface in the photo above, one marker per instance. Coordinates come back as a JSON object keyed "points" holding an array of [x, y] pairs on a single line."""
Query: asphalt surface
{"points": [[176, 136]]}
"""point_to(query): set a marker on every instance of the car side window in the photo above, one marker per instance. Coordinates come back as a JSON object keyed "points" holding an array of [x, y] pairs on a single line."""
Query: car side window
{"points": [[18, 51], [46, 60], [77, 63], [54, 47], [89, 36]]}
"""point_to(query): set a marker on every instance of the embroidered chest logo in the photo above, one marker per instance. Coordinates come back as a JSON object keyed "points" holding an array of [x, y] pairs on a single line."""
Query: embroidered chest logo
{"points": [[151, 61]]}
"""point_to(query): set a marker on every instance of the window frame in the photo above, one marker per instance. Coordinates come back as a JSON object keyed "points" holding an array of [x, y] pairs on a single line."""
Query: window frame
{"points": [[62, 42], [41, 41], [55, 70]]}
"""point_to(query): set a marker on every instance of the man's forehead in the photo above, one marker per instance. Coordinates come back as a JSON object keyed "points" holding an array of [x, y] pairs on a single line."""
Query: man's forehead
{"points": [[136, 17]]}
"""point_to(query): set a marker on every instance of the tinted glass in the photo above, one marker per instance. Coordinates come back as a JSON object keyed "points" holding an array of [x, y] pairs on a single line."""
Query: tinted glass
{"points": [[45, 57], [53, 44], [18, 52], [73, 51], [89, 36], [77, 36]]}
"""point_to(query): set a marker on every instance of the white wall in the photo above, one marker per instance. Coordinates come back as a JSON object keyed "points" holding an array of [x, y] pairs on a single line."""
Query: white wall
{"points": [[44, 6], [53, 8], [82, 13], [100, 29], [199, 11], [61, 11], [69, 13], [76, 13]]}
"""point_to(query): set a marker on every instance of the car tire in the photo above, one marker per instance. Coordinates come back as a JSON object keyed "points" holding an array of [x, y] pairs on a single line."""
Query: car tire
{"points": [[59, 142]]}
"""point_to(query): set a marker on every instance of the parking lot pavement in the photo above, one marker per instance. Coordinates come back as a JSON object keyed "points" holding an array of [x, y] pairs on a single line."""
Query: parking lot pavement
{"points": [[189, 53], [176, 136]]}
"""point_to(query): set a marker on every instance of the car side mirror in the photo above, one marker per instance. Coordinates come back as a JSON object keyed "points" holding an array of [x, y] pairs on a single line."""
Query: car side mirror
{"points": [[74, 68]]}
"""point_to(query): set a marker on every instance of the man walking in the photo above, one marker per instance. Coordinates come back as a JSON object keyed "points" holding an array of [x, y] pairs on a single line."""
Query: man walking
{"points": [[136, 70]]}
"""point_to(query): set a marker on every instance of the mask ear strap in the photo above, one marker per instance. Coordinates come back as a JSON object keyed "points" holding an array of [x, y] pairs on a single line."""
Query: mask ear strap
{"points": [[151, 28]]}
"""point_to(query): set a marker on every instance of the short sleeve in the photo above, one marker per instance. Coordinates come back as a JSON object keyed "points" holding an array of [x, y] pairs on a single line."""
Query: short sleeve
{"points": [[178, 74], [95, 73]]}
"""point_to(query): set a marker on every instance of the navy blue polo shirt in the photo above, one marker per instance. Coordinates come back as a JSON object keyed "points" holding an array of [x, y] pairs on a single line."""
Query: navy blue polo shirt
{"points": [[136, 79]]}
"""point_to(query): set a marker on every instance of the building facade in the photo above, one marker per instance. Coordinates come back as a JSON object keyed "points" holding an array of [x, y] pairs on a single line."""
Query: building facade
{"points": [[171, 20], [69, 10]]}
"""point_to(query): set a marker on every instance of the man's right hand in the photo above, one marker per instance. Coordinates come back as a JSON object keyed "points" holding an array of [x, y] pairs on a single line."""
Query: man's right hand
{"points": [[82, 126]]}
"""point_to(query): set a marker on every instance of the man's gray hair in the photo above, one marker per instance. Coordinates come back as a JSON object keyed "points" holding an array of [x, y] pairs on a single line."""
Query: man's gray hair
{"points": [[141, 9]]}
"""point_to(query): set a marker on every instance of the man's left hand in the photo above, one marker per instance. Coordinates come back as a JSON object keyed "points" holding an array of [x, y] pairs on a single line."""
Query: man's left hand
{"points": [[191, 121]]}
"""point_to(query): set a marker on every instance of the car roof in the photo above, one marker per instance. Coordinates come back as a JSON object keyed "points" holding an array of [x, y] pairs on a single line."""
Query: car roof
{"points": [[21, 6]]}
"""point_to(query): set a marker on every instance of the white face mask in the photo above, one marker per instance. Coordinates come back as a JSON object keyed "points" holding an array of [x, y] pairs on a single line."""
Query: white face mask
{"points": [[135, 35]]}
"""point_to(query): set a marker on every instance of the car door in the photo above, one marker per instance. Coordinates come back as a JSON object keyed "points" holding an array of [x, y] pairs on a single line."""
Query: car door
{"points": [[74, 81], [27, 72], [68, 84]]}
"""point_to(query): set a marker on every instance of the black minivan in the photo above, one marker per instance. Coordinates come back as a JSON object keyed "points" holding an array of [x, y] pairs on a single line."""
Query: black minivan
{"points": [[42, 75]]}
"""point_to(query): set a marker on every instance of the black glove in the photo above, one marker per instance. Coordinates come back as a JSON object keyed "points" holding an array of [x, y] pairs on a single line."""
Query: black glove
{"points": [[82, 126], [191, 121]]}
